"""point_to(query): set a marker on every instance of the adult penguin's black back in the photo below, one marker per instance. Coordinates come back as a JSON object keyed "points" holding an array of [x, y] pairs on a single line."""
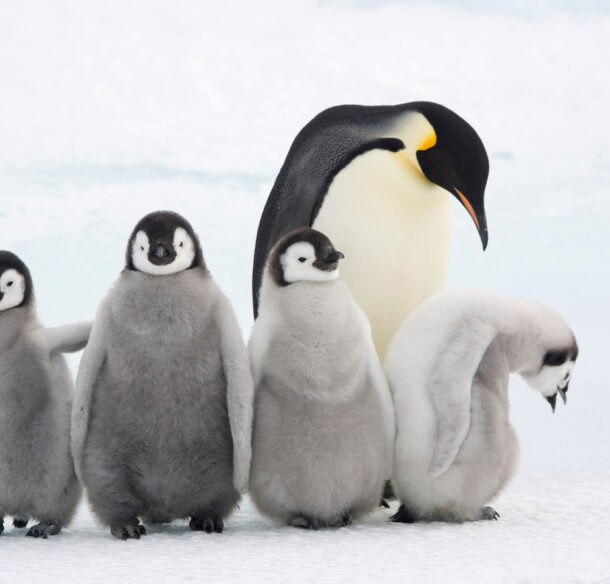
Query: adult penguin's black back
{"points": [[374, 179]]}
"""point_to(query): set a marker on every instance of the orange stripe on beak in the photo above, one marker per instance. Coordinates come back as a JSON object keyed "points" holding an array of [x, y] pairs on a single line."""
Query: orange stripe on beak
{"points": [[468, 207]]}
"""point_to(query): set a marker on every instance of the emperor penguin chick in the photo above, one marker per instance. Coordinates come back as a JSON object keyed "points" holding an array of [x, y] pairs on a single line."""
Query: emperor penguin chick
{"points": [[163, 411], [37, 476], [448, 367], [323, 417]]}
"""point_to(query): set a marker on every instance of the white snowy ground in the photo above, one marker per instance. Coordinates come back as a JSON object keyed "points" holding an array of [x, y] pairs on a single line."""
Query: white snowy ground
{"points": [[112, 110]]}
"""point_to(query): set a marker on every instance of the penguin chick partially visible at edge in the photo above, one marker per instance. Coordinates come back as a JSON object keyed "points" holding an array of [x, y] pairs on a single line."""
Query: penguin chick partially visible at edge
{"points": [[37, 478]]}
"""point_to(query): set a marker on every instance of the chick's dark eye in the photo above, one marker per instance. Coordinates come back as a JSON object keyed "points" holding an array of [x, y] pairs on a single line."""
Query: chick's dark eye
{"points": [[302, 259], [142, 247], [181, 244], [9, 283]]}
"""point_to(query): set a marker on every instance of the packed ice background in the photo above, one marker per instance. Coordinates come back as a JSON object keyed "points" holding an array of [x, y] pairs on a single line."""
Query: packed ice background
{"points": [[111, 110]]}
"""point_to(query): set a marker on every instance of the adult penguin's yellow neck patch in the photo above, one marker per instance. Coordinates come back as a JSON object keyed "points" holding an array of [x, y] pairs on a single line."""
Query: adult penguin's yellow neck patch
{"points": [[428, 141]]}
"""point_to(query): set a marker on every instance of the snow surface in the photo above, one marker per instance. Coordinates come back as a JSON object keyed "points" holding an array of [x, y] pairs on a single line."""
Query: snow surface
{"points": [[111, 110]]}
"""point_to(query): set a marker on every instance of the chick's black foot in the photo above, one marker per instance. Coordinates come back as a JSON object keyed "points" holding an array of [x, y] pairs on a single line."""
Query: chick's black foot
{"points": [[20, 522], [346, 519], [489, 513], [127, 530], [43, 530], [207, 524]]}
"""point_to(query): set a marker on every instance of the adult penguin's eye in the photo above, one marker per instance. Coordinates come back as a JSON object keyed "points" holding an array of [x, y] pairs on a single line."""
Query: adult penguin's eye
{"points": [[302, 259]]}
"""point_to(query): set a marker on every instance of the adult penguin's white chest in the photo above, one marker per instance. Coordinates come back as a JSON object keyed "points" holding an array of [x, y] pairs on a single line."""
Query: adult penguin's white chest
{"points": [[393, 226]]}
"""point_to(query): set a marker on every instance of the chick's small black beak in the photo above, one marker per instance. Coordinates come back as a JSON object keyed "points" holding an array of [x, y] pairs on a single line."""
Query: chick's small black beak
{"points": [[552, 399], [333, 256], [161, 253]]}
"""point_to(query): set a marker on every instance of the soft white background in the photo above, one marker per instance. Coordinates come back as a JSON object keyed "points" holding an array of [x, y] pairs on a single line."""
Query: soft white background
{"points": [[109, 110]]}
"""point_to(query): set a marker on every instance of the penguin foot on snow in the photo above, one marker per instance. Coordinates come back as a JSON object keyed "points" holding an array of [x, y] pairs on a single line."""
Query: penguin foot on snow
{"points": [[489, 513], [383, 503], [345, 520], [1, 525], [43, 529], [403, 515], [127, 529], [207, 524], [307, 522], [20, 521]]}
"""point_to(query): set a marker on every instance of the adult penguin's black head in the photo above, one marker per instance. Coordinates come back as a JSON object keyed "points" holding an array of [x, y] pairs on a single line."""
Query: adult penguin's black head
{"points": [[163, 243], [455, 159], [16, 288]]}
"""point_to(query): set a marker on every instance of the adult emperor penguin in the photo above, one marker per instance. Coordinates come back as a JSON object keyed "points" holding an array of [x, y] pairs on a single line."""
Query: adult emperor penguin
{"points": [[37, 476], [323, 417], [163, 410], [448, 367], [376, 180]]}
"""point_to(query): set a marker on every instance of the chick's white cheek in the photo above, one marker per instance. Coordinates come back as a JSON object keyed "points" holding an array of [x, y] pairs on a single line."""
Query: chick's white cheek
{"points": [[550, 379], [296, 271], [565, 376], [181, 240], [297, 262], [184, 246], [12, 285], [138, 254], [140, 246]]}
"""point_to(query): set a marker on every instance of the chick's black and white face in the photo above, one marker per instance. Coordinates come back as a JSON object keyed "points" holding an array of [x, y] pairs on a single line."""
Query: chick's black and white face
{"points": [[12, 289], [300, 263], [554, 375], [303, 255], [163, 253]]}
